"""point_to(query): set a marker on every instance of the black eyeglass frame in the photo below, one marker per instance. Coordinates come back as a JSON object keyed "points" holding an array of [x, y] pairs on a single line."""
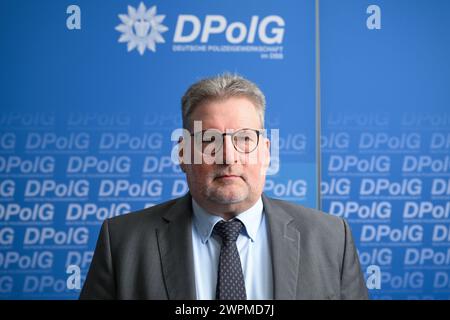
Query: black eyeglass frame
{"points": [[232, 134]]}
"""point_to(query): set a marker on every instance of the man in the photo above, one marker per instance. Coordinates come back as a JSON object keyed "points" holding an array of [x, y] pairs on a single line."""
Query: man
{"points": [[225, 239]]}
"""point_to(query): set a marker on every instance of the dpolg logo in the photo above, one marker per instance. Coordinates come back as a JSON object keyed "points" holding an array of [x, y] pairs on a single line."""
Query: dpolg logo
{"points": [[143, 28]]}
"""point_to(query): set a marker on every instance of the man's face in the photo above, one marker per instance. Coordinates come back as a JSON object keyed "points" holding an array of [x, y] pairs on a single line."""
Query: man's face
{"points": [[236, 183]]}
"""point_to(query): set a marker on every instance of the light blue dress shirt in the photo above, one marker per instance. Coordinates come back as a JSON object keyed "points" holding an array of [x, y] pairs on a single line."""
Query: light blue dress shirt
{"points": [[253, 246]]}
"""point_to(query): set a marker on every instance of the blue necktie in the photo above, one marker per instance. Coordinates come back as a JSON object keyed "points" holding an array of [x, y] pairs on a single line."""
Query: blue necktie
{"points": [[230, 278]]}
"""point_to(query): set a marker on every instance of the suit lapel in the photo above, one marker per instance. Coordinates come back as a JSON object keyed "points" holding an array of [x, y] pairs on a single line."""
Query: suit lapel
{"points": [[285, 246], [175, 247]]}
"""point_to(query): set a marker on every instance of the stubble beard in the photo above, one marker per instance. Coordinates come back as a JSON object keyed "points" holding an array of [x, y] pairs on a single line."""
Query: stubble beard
{"points": [[226, 193]]}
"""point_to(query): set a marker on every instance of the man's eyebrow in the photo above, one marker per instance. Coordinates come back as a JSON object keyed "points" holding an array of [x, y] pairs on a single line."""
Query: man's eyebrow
{"points": [[230, 130]]}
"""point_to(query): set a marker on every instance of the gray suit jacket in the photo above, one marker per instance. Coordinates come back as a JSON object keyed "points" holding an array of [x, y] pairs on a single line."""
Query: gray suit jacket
{"points": [[148, 255]]}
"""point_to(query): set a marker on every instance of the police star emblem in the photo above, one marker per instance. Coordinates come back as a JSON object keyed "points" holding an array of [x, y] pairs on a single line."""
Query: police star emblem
{"points": [[141, 28]]}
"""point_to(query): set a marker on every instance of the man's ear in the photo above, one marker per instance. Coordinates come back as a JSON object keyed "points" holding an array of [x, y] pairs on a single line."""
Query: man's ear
{"points": [[266, 153], [181, 154]]}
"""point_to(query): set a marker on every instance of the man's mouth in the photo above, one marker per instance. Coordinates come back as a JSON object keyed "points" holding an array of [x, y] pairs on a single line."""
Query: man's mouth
{"points": [[228, 177]]}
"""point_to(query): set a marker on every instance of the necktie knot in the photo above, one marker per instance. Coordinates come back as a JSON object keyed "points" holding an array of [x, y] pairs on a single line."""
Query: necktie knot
{"points": [[228, 230]]}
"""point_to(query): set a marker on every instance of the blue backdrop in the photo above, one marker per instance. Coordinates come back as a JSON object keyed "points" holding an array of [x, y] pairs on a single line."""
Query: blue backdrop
{"points": [[87, 115], [386, 134]]}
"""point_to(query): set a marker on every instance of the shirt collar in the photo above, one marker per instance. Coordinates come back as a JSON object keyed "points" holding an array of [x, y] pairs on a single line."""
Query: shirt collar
{"points": [[205, 221]]}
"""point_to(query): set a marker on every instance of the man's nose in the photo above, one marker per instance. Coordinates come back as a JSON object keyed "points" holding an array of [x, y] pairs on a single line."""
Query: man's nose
{"points": [[229, 152]]}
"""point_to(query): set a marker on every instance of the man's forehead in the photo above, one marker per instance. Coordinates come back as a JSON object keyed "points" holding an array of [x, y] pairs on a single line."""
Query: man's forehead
{"points": [[238, 105], [232, 119], [198, 125]]}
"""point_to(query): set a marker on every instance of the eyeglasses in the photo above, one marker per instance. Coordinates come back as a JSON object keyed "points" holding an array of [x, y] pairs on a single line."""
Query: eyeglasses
{"points": [[244, 140]]}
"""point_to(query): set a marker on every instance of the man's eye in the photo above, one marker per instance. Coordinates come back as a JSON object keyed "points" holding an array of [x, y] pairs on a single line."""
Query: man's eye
{"points": [[244, 139], [209, 139]]}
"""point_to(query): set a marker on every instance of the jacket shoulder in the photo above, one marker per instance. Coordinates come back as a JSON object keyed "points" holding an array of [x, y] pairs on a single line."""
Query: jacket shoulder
{"points": [[311, 220], [299, 211], [151, 216]]}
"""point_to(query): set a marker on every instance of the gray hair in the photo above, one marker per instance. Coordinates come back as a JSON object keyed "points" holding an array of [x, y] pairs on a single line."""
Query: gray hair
{"points": [[221, 87]]}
